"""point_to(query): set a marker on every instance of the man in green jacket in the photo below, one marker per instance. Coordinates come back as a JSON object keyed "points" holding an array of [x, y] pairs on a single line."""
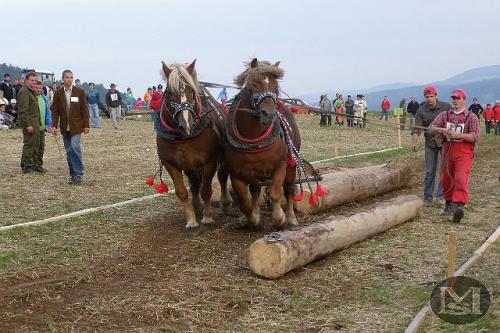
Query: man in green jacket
{"points": [[32, 125]]}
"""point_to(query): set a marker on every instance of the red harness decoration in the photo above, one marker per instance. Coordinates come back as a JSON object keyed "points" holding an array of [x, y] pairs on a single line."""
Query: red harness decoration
{"points": [[241, 138]]}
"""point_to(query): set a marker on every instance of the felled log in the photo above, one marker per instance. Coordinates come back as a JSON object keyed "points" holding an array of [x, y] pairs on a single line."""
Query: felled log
{"points": [[274, 255], [352, 185]]}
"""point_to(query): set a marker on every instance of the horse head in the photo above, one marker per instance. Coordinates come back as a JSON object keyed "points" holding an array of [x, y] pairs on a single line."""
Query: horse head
{"points": [[181, 95], [260, 82]]}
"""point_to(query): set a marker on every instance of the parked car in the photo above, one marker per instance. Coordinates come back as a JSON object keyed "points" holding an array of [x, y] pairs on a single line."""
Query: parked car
{"points": [[297, 105]]}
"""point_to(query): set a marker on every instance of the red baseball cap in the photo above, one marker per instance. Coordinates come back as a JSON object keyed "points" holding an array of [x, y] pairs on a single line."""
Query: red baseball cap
{"points": [[430, 90], [458, 93]]}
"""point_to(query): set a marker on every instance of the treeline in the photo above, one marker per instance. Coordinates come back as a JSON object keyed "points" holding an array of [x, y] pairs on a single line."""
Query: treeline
{"points": [[15, 73]]}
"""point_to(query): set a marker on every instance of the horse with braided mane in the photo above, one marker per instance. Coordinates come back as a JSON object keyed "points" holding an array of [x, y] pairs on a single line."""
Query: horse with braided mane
{"points": [[190, 141], [256, 149]]}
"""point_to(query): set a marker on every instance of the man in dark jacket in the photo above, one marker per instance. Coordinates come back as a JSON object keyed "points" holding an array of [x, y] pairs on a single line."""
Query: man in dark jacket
{"points": [[433, 143], [349, 109], [114, 104], [8, 90], [476, 108], [71, 115], [412, 109]]}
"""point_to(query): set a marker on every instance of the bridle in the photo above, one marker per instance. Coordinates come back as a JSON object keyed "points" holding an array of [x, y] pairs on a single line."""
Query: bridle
{"points": [[175, 107]]}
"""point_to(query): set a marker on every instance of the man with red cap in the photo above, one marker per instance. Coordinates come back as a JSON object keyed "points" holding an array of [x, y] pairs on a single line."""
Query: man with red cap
{"points": [[425, 115], [460, 128]]}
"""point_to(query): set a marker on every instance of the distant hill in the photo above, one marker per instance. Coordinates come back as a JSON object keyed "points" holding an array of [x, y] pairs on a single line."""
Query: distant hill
{"points": [[487, 91], [473, 75], [482, 82]]}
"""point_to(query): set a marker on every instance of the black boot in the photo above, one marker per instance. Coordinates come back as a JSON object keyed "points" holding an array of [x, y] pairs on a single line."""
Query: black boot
{"points": [[448, 209], [458, 212]]}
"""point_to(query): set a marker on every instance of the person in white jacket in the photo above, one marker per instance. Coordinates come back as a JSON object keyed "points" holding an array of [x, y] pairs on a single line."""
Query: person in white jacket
{"points": [[360, 109]]}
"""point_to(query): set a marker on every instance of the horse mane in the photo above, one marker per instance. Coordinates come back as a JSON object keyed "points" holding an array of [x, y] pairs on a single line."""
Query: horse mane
{"points": [[179, 73], [263, 69]]}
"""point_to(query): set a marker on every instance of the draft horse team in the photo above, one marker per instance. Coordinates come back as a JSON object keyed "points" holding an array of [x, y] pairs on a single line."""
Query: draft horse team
{"points": [[255, 141]]}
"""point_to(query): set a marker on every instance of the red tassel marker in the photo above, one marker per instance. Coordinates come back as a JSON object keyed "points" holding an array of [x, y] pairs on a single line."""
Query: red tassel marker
{"points": [[319, 190], [299, 197], [312, 200], [162, 188], [150, 181]]}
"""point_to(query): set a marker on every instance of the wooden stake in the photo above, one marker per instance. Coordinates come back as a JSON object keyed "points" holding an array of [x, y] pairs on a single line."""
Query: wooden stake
{"points": [[452, 257], [399, 131], [336, 151]]}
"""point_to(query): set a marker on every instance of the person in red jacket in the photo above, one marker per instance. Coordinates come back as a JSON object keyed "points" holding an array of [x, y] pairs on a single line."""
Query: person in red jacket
{"points": [[460, 127], [496, 110], [155, 104], [385, 106], [489, 117]]}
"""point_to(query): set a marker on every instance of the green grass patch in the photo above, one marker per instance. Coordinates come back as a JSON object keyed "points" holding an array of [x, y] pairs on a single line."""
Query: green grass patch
{"points": [[8, 258]]}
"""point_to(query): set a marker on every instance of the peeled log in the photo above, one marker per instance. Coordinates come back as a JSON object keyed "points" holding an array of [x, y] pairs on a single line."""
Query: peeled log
{"points": [[301, 246], [352, 185]]}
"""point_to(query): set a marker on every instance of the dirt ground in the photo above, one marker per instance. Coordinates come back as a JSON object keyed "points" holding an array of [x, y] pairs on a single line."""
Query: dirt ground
{"points": [[136, 269]]}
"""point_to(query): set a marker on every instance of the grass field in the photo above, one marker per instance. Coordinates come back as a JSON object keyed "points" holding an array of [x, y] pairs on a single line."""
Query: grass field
{"points": [[136, 269]]}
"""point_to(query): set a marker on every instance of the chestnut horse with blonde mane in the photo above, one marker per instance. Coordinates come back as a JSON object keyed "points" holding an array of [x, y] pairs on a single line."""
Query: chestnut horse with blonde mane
{"points": [[190, 136], [256, 150]]}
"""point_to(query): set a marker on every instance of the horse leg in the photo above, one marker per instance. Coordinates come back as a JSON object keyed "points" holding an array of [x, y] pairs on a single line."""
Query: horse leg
{"points": [[225, 197], [276, 193], [182, 194], [206, 191], [255, 189], [241, 190], [289, 188], [195, 180]]}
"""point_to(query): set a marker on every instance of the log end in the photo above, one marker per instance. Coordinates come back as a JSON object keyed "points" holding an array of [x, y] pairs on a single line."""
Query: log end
{"points": [[267, 260]]}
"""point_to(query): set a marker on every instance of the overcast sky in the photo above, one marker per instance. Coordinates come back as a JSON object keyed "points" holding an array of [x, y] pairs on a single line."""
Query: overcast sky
{"points": [[322, 45]]}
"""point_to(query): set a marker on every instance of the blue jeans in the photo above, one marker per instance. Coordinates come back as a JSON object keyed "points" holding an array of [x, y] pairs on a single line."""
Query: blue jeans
{"points": [[432, 158], [94, 115], [73, 155], [154, 118]]}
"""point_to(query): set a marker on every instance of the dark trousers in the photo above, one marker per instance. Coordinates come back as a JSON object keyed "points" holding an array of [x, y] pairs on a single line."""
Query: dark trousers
{"points": [[497, 129], [350, 118], [33, 148], [322, 120], [488, 126], [383, 114], [329, 119]]}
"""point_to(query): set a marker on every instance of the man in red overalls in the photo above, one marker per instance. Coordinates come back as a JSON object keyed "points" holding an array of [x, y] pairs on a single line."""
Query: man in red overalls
{"points": [[460, 127]]}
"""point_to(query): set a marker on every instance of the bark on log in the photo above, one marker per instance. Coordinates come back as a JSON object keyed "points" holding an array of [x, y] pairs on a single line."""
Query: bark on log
{"points": [[301, 246], [352, 185]]}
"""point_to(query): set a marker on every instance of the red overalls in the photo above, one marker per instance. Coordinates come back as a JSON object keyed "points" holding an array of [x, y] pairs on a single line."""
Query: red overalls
{"points": [[456, 163]]}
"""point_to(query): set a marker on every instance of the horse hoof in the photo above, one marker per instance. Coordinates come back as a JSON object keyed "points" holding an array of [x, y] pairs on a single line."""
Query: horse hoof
{"points": [[292, 222], [280, 221], [207, 220], [192, 224]]}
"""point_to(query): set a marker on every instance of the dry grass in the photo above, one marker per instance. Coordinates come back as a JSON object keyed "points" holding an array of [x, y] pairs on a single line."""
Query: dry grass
{"points": [[135, 268]]}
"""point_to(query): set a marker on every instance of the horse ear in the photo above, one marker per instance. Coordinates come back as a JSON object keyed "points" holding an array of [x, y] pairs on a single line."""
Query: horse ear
{"points": [[166, 70], [277, 64], [190, 68], [254, 63]]}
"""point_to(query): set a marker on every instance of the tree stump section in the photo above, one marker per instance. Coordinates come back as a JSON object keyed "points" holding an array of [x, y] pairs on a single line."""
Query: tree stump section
{"points": [[352, 185], [273, 257]]}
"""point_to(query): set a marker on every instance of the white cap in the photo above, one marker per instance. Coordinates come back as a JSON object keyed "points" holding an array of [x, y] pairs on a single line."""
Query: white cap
{"points": [[497, 101], [13, 101]]}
